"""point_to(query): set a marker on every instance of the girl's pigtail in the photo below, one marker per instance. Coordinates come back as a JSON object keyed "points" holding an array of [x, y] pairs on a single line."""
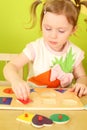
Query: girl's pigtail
{"points": [[78, 4], [84, 3], [33, 16]]}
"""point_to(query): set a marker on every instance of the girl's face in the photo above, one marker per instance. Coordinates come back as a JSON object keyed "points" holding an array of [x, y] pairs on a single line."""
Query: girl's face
{"points": [[56, 30]]}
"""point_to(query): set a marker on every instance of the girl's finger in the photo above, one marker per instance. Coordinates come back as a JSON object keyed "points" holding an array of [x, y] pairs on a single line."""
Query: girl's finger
{"points": [[85, 92], [81, 91]]}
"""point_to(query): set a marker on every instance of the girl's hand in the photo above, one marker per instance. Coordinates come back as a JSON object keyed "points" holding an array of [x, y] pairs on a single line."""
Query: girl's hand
{"points": [[21, 89], [66, 79], [57, 73], [79, 89]]}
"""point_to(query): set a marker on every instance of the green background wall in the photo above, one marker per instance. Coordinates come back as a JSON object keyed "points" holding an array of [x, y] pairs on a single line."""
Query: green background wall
{"points": [[14, 17]]}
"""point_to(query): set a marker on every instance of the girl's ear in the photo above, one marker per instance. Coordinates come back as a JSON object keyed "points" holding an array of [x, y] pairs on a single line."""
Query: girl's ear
{"points": [[74, 29]]}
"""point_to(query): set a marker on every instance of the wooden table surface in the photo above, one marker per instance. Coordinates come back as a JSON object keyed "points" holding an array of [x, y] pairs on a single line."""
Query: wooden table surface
{"points": [[78, 119]]}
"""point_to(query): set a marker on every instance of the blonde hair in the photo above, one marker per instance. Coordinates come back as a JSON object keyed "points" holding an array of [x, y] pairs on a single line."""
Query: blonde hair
{"points": [[66, 7]]}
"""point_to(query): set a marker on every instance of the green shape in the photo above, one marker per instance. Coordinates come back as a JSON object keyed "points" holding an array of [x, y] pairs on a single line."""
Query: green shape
{"points": [[55, 118], [67, 64]]}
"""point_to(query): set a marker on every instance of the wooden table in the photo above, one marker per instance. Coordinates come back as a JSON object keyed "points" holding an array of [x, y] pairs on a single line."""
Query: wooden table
{"points": [[78, 119]]}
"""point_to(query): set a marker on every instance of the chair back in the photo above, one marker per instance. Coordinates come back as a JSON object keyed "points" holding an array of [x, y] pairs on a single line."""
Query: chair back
{"points": [[4, 59]]}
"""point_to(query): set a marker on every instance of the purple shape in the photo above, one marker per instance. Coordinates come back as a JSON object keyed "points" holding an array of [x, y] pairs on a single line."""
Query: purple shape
{"points": [[39, 120]]}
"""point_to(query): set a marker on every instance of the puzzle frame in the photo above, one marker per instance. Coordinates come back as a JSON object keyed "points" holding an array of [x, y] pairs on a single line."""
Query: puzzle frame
{"points": [[44, 99]]}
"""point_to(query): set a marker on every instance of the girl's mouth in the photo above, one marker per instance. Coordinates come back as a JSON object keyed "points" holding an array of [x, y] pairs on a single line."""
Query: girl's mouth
{"points": [[52, 42]]}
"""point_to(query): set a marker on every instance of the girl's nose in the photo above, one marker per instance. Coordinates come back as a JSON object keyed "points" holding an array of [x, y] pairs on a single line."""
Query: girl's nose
{"points": [[54, 34]]}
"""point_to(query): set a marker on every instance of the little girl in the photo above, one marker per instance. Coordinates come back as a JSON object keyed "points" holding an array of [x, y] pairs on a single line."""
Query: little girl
{"points": [[56, 61]]}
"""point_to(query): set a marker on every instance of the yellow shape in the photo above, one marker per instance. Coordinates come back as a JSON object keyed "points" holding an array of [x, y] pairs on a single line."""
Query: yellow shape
{"points": [[26, 118]]}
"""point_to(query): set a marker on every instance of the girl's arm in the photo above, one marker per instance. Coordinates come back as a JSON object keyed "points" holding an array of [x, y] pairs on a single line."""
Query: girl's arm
{"points": [[80, 87], [11, 69], [80, 74]]}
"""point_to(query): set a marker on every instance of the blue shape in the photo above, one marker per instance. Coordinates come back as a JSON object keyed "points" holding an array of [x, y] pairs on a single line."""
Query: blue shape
{"points": [[60, 90], [32, 90], [5, 100]]}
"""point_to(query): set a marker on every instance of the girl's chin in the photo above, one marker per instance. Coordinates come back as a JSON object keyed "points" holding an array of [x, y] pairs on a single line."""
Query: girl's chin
{"points": [[55, 48]]}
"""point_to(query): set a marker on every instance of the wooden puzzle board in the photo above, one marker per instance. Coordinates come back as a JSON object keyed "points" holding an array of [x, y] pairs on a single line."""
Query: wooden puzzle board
{"points": [[45, 99]]}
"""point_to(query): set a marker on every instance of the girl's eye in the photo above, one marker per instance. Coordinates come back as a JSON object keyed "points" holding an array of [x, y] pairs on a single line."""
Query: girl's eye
{"points": [[61, 31], [48, 29]]}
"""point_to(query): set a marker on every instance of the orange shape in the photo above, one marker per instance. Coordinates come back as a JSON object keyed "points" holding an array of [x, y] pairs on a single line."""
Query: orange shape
{"points": [[44, 79], [8, 91]]}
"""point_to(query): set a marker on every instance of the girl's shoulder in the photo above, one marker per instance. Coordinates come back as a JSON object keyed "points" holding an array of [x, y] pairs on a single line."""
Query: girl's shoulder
{"points": [[75, 48], [37, 41]]}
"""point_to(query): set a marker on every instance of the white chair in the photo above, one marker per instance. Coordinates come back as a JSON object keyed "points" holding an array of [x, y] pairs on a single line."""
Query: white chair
{"points": [[4, 59]]}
